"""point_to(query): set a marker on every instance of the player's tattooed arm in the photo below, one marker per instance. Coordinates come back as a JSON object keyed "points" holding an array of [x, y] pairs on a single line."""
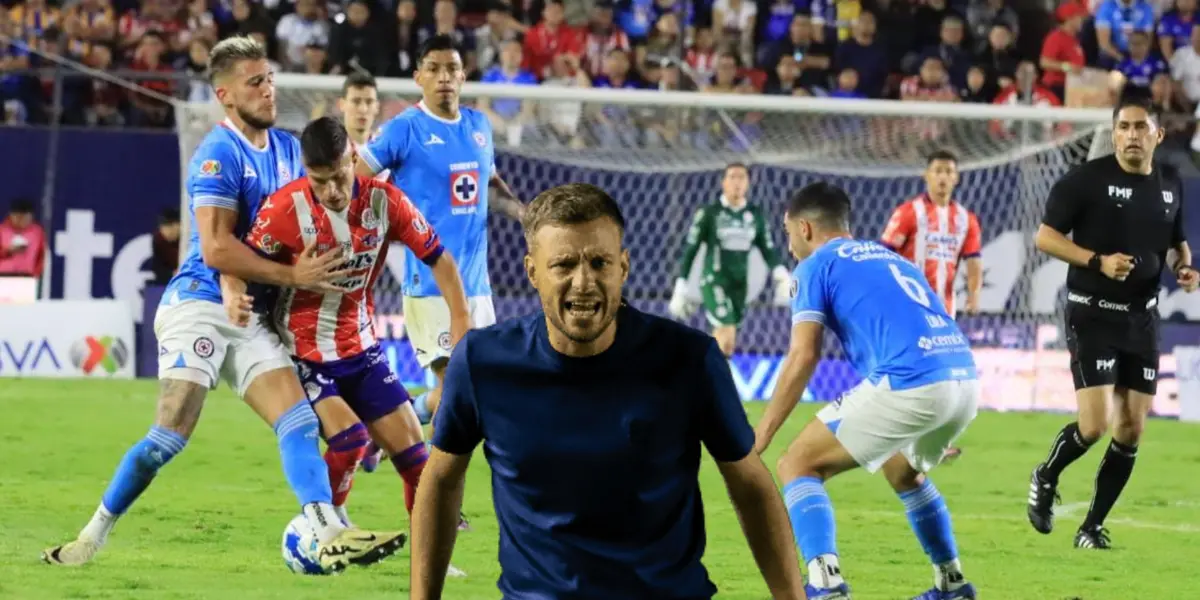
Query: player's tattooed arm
{"points": [[223, 251], [506, 201]]}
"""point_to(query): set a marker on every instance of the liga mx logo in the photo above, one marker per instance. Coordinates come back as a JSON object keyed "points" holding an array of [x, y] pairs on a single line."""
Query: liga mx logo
{"points": [[106, 353]]}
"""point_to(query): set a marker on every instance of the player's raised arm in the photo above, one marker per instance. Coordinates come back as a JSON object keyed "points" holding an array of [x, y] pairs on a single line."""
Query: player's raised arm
{"points": [[729, 439], [409, 227], [808, 327], [440, 495]]}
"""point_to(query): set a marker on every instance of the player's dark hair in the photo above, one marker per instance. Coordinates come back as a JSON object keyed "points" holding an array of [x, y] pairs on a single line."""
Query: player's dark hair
{"points": [[438, 43], [570, 204], [937, 155], [230, 51], [736, 165], [323, 142], [1135, 100], [358, 79], [823, 203], [21, 206]]}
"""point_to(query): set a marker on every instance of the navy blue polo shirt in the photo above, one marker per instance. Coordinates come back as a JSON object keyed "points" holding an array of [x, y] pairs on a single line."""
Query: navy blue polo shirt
{"points": [[595, 460]]}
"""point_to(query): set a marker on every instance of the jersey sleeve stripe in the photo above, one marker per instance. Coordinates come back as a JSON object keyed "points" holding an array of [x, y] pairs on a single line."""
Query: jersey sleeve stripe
{"points": [[433, 255], [370, 159], [808, 316], [215, 202]]}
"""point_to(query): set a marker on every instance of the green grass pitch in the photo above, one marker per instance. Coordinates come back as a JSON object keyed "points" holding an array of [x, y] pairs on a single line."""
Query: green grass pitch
{"points": [[209, 527]]}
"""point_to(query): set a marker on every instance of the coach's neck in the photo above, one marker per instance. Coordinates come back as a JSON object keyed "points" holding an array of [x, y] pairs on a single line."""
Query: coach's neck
{"points": [[1146, 167], [575, 348]]}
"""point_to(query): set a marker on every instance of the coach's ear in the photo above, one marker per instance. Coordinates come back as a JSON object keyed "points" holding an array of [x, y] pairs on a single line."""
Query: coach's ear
{"points": [[531, 270], [624, 265]]}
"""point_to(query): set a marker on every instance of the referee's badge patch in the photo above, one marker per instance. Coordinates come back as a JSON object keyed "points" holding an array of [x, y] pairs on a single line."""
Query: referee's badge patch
{"points": [[1168, 197], [795, 289]]}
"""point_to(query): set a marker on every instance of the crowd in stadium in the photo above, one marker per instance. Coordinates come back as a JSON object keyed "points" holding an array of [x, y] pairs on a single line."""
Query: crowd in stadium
{"points": [[939, 50]]}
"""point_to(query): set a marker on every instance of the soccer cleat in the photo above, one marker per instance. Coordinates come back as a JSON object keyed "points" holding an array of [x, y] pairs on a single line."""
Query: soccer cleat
{"points": [[966, 592], [71, 554], [453, 571], [374, 456], [463, 524], [358, 547], [841, 592], [951, 453], [1093, 538], [1043, 495]]}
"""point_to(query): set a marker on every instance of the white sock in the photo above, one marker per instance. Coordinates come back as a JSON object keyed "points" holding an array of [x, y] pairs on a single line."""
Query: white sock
{"points": [[343, 515], [948, 576], [98, 528], [824, 572], [324, 520]]}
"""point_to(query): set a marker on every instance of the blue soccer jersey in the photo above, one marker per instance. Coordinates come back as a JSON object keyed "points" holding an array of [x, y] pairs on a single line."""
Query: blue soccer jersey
{"points": [[227, 171], [443, 166], [890, 322], [595, 460]]}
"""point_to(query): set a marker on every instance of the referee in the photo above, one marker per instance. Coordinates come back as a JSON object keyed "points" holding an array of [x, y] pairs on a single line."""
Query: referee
{"points": [[1125, 216], [592, 415]]}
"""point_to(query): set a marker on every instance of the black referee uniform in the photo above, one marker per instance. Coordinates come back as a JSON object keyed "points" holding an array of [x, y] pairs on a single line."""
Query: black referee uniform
{"points": [[1112, 326]]}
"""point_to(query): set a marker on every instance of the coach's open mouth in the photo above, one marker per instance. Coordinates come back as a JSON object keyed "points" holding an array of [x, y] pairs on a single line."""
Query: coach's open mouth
{"points": [[582, 308]]}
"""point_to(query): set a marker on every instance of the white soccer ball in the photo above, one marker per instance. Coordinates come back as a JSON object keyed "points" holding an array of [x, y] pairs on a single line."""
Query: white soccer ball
{"points": [[300, 547]]}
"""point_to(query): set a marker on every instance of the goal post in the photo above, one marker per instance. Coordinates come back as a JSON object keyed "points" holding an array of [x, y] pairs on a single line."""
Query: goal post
{"points": [[661, 155]]}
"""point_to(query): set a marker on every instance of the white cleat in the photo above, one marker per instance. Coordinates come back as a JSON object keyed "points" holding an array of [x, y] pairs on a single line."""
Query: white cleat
{"points": [[456, 572], [72, 554]]}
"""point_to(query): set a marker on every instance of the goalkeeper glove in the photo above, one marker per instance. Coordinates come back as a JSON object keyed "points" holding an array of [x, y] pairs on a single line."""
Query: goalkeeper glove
{"points": [[680, 307], [783, 286]]}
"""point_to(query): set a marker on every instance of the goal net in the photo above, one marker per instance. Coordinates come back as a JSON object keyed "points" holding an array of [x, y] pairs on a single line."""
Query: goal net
{"points": [[661, 155]]}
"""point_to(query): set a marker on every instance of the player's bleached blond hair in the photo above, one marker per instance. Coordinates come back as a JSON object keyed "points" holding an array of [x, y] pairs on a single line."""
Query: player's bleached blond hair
{"points": [[231, 51]]}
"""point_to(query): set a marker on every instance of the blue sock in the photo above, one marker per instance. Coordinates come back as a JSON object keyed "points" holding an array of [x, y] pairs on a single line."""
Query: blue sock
{"points": [[930, 520], [811, 513], [140, 465], [298, 430], [421, 407]]}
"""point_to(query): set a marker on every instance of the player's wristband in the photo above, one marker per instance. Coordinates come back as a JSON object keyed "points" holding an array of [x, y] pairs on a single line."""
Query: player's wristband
{"points": [[1094, 262]]}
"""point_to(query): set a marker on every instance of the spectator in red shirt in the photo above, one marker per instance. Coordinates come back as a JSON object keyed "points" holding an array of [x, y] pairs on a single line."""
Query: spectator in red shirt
{"points": [[602, 37], [550, 37], [1061, 51], [147, 111]]}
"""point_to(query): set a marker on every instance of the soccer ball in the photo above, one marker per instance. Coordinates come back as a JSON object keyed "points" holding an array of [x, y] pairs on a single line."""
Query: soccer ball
{"points": [[300, 548]]}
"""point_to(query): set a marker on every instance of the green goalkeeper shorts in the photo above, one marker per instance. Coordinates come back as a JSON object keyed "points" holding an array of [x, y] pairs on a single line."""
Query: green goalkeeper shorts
{"points": [[724, 304]]}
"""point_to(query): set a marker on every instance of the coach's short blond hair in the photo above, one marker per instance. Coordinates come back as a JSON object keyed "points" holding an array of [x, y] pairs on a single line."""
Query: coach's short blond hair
{"points": [[231, 51], [570, 204]]}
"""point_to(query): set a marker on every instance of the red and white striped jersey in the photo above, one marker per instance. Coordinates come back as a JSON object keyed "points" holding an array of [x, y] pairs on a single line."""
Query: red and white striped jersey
{"points": [[935, 238], [323, 327]]}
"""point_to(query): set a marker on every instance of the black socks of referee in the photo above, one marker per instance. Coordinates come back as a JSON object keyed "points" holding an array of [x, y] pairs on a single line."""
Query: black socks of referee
{"points": [[1111, 477], [1066, 449]]}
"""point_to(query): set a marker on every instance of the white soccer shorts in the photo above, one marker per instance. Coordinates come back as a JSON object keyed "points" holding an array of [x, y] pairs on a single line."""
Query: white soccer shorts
{"points": [[427, 320], [197, 343], [874, 422]]}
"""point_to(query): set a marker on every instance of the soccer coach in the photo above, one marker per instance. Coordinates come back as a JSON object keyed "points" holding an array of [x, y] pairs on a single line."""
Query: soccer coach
{"points": [[592, 415], [1125, 215]]}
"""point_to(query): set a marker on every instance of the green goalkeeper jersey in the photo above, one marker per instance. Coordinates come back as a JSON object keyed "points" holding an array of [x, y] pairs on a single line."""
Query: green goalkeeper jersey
{"points": [[729, 234]]}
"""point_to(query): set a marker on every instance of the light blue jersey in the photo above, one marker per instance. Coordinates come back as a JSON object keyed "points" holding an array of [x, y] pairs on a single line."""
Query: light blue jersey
{"points": [[889, 320], [227, 171], [443, 167]]}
